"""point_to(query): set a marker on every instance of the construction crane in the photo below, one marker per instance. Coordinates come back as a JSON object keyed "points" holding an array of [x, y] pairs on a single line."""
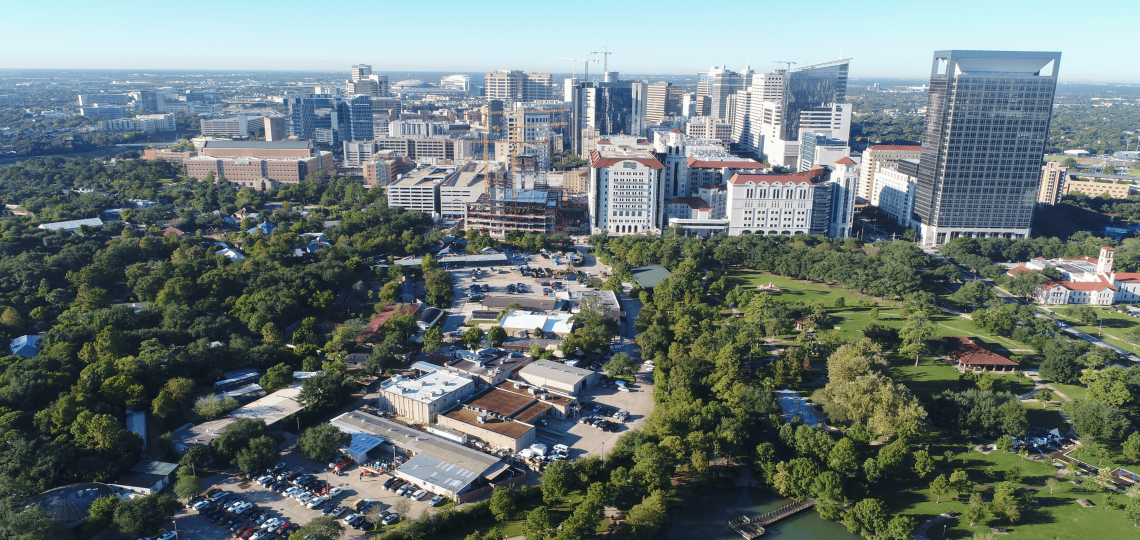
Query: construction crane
{"points": [[585, 61], [789, 63], [605, 52]]}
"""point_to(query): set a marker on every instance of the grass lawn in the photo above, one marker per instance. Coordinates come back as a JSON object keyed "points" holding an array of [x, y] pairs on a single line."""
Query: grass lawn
{"points": [[1113, 324], [1058, 516], [1073, 391], [792, 290], [1042, 414], [932, 376]]}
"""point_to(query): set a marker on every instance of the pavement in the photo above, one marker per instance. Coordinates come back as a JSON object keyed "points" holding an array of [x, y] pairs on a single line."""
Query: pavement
{"points": [[795, 405]]}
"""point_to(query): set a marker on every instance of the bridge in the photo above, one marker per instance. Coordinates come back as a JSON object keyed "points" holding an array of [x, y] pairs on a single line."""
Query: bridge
{"points": [[751, 528]]}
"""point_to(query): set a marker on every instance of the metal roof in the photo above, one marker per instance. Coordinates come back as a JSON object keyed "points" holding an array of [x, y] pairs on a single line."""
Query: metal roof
{"points": [[649, 276], [555, 371], [71, 225], [281, 145]]}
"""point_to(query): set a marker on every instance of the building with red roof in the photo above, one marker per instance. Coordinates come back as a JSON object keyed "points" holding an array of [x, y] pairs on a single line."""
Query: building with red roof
{"points": [[625, 190], [970, 353]]}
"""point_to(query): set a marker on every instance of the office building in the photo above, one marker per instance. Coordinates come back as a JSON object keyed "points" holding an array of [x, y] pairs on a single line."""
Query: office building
{"points": [[709, 127], [418, 128], [419, 189], [625, 191], [422, 149], [875, 156], [1052, 186], [150, 123], [558, 377], [275, 128], [258, 164], [662, 100], [356, 113], [166, 154], [987, 119], [91, 100], [462, 189], [606, 108], [423, 399], [798, 203], [384, 167], [1104, 190], [818, 149], [315, 117], [894, 189], [102, 112], [458, 83], [148, 100], [236, 126], [362, 82], [719, 84], [514, 85]]}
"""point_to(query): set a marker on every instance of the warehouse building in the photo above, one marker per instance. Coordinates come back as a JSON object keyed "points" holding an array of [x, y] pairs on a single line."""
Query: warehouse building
{"points": [[558, 377], [422, 399]]}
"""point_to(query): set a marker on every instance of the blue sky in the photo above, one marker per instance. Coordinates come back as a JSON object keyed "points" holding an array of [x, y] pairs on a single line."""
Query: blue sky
{"points": [[885, 39]]}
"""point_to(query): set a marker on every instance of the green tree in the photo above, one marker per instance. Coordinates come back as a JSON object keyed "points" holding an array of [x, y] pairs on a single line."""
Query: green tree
{"points": [[188, 487], [843, 457], [102, 513], [866, 518], [537, 524], [648, 516], [277, 377], [236, 437], [1131, 447], [555, 482], [271, 335], [939, 487], [433, 340], [976, 510], [193, 456], [916, 335], [473, 337], [1132, 511], [259, 454], [325, 391], [620, 365], [840, 302], [923, 463], [871, 470], [321, 528], [322, 442], [502, 503], [961, 483], [145, 515], [497, 336], [900, 528], [1025, 283], [1052, 484]]}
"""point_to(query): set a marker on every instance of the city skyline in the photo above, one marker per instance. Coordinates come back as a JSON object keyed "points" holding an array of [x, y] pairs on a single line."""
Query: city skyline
{"points": [[884, 41]]}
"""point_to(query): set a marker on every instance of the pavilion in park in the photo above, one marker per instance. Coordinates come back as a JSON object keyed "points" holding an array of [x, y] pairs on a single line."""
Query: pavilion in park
{"points": [[970, 353]]}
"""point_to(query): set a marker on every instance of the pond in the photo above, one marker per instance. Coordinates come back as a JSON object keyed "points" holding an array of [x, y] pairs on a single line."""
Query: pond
{"points": [[707, 517]]}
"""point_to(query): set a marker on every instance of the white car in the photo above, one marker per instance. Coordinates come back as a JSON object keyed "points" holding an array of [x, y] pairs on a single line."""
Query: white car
{"points": [[291, 491], [337, 511], [305, 497], [265, 479], [348, 519], [201, 505], [317, 501], [334, 492], [271, 522], [419, 495]]}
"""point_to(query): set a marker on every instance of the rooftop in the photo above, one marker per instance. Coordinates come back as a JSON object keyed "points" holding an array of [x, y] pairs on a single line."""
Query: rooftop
{"points": [[609, 158], [649, 276], [487, 362], [69, 505], [427, 389], [71, 225], [696, 203], [425, 176], [503, 426], [558, 323], [974, 352], [556, 371], [499, 401], [725, 162], [278, 145]]}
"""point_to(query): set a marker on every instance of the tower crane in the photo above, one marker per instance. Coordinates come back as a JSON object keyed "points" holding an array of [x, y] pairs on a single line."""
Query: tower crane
{"points": [[606, 52], [585, 62], [789, 63]]}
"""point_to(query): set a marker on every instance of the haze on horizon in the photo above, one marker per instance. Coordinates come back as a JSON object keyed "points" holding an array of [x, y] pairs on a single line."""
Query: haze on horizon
{"points": [[885, 39]]}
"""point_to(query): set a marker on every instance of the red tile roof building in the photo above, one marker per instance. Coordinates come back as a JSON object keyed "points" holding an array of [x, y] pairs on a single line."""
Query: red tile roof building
{"points": [[973, 354]]}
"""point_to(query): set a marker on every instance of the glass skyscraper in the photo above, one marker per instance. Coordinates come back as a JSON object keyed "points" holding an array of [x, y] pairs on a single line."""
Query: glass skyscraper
{"points": [[987, 120], [809, 87]]}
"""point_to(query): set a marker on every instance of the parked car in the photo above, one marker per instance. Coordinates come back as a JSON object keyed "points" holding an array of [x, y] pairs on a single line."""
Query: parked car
{"points": [[419, 495], [349, 519], [337, 511], [334, 492], [437, 500], [390, 519], [317, 501]]}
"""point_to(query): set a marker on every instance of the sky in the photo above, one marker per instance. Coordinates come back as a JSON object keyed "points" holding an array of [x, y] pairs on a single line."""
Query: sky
{"points": [[884, 39]]}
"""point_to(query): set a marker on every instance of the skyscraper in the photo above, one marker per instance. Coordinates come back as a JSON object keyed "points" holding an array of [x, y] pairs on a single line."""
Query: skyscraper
{"points": [[363, 82], [720, 83], [514, 85], [316, 117], [794, 101], [356, 118], [607, 108], [663, 99], [987, 121]]}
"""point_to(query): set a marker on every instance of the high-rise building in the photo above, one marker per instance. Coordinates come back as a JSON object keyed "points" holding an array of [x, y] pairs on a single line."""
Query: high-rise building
{"points": [[363, 82], [514, 85], [315, 117], [607, 108], [275, 128], [1052, 187], [720, 83], [662, 99], [987, 119], [625, 189], [461, 83], [356, 116], [805, 99]]}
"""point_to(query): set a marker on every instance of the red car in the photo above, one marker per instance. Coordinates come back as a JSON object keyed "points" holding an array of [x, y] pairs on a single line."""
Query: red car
{"points": [[241, 530], [344, 463], [248, 532]]}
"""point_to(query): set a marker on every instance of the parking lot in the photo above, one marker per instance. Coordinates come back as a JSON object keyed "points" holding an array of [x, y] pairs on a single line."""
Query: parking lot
{"points": [[193, 526]]}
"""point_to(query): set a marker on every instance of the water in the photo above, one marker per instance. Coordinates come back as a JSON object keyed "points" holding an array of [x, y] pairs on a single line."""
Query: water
{"points": [[706, 518]]}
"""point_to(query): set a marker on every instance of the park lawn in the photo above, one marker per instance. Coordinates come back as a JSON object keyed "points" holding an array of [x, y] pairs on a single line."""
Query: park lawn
{"points": [[1073, 391], [932, 376], [965, 327], [852, 320], [1113, 323], [793, 289], [1059, 516], [1042, 414]]}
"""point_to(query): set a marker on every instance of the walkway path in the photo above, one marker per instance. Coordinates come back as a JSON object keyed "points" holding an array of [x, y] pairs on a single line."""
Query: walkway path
{"points": [[921, 531]]}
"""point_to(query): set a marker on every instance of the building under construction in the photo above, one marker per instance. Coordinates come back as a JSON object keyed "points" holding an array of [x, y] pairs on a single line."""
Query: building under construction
{"points": [[515, 202]]}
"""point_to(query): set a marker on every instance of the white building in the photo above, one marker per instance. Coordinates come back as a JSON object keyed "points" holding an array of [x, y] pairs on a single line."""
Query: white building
{"points": [[417, 128], [236, 126], [1084, 281], [894, 189], [876, 155], [625, 190], [419, 189], [460, 83], [422, 399], [462, 189]]}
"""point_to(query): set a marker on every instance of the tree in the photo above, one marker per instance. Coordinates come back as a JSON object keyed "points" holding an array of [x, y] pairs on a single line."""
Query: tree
{"points": [[939, 487], [795, 478], [322, 442], [843, 457], [1005, 443], [1005, 503], [277, 377], [923, 463], [102, 512], [976, 510], [259, 454], [1132, 511], [188, 487], [974, 293], [211, 406], [537, 524], [325, 391], [647, 517], [871, 470], [145, 515], [433, 339], [1096, 422], [473, 337], [900, 528], [1052, 484], [961, 483], [555, 482], [321, 528], [497, 336], [620, 365], [915, 335], [1131, 447], [1025, 283], [502, 503], [271, 335], [193, 456], [236, 437], [866, 518]]}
